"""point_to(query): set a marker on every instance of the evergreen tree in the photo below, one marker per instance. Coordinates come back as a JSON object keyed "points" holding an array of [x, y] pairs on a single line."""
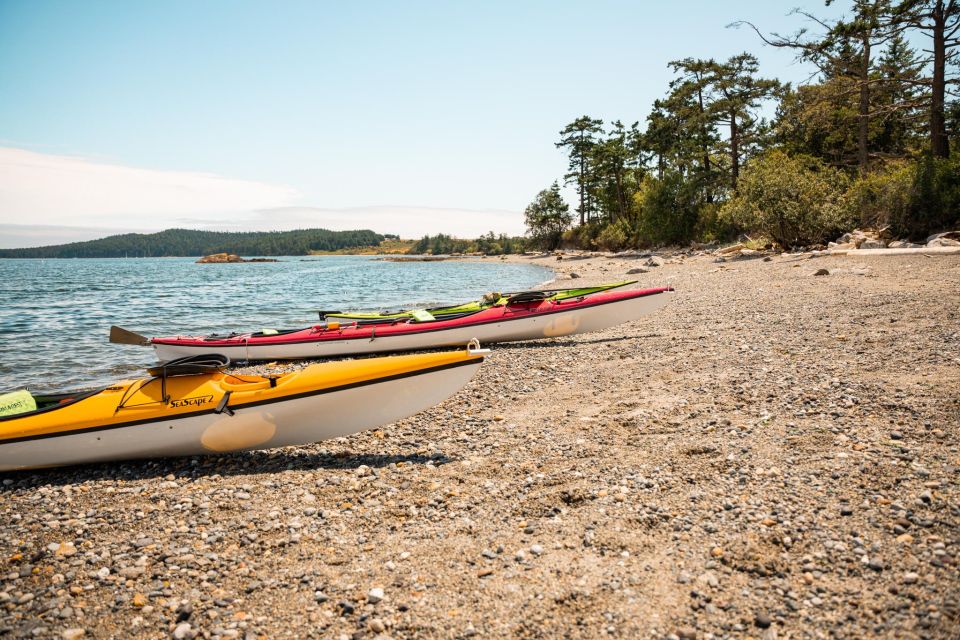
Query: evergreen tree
{"points": [[691, 92], [547, 217], [579, 138], [612, 160], [739, 93], [940, 20]]}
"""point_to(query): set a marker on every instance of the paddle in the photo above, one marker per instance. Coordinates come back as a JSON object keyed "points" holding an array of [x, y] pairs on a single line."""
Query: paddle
{"points": [[119, 335]]}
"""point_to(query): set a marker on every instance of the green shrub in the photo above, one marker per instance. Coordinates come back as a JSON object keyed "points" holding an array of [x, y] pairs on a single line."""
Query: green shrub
{"points": [[795, 200], [668, 209], [881, 199], [934, 198], [713, 227], [582, 237], [616, 236]]}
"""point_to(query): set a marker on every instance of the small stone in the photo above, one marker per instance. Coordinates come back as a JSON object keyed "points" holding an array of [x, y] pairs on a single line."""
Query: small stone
{"points": [[536, 549], [183, 631], [846, 511], [320, 596], [716, 552], [905, 538], [762, 620], [574, 275], [683, 577], [73, 634], [687, 633], [896, 435], [910, 578], [821, 272], [376, 625], [375, 595], [139, 600], [926, 497]]}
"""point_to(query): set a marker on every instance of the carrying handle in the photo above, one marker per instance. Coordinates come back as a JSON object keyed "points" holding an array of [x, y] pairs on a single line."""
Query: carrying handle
{"points": [[474, 349]]}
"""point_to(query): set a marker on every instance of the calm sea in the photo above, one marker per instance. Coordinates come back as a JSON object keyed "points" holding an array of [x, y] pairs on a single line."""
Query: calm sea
{"points": [[55, 315]]}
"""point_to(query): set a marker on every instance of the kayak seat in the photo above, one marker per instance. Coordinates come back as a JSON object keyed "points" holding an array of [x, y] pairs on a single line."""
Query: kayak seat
{"points": [[422, 315], [273, 332], [528, 296]]}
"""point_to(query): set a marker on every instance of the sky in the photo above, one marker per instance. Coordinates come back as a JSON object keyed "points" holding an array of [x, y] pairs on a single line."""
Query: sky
{"points": [[408, 118]]}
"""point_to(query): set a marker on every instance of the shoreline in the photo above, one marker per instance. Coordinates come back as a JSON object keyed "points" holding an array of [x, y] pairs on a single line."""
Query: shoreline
{"points": [[772, 455]]}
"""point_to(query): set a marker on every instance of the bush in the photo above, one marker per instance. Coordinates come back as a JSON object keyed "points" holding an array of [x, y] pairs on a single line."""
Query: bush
{"points": [[668, 209], [582, 237], [881, 199], [616, 236], [796, 200], [934, 198], [713, 227]]}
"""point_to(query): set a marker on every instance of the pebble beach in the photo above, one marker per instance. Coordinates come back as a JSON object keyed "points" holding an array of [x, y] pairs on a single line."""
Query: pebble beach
{"points": [[773, 455]]}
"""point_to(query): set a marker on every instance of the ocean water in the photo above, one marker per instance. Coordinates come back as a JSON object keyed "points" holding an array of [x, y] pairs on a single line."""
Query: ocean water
{"points": [[55, 315]]}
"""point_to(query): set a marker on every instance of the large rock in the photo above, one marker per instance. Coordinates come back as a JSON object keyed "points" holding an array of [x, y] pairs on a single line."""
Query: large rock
{"points": [[219, 258], [948, 239], [903, 244], [872, 243]]}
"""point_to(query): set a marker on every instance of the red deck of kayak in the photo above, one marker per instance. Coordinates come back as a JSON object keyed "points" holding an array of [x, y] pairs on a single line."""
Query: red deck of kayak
{"points": [[351, 331]]}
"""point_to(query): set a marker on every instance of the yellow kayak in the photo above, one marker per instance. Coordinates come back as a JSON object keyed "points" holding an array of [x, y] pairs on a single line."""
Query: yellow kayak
{"points": [[215, 412]]}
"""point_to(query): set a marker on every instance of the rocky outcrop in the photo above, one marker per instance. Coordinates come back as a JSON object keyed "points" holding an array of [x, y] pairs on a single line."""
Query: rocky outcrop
{"points": [[219, 258], [858, 239], [948, 239]]}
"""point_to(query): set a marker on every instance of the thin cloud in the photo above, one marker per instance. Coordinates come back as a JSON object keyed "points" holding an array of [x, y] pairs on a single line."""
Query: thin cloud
{"points": [[53, 199], [48, 189]]}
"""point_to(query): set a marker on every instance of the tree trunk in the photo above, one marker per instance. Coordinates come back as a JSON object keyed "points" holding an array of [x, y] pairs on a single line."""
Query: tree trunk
{"points": [[863, 116], [621, 201], [734, 151], [583, 187], [939, 145], [706, 151]]}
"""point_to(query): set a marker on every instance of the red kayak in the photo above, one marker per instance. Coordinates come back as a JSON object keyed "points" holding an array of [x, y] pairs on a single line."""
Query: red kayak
{"points": [[522, 319]]}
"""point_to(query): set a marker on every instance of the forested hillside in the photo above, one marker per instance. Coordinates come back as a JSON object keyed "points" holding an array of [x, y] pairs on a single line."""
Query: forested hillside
{"points": [[866, 141], [189, 242]]}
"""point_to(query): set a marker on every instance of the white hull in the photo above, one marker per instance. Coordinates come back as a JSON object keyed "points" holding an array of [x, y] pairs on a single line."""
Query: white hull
{"points": [[278, 424], [553, 325]]}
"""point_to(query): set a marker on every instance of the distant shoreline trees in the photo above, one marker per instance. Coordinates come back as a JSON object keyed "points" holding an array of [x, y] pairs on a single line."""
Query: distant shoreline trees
{"points": [[190, 242]]}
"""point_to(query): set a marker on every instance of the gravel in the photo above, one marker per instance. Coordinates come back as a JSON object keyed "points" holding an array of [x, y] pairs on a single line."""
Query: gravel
{"points": [[772, 455]]}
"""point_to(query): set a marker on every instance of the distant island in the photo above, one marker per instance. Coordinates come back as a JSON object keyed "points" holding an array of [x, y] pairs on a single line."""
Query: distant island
{"points": [[189, 243]]}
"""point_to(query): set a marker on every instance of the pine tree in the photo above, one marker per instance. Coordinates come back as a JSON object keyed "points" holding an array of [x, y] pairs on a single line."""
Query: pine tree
{"points": [[579, 137], [547, 217]]}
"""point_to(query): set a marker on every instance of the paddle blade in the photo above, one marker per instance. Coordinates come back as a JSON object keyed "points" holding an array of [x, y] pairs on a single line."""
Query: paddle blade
{"points": [[119, 335]]}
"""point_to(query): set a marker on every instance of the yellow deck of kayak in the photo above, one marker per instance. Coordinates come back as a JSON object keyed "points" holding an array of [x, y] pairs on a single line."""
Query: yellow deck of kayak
{"points": [[135, 401]]}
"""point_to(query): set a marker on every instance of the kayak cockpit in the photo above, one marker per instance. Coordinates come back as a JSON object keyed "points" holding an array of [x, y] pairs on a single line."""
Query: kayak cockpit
{"points": [[22, 403]]}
